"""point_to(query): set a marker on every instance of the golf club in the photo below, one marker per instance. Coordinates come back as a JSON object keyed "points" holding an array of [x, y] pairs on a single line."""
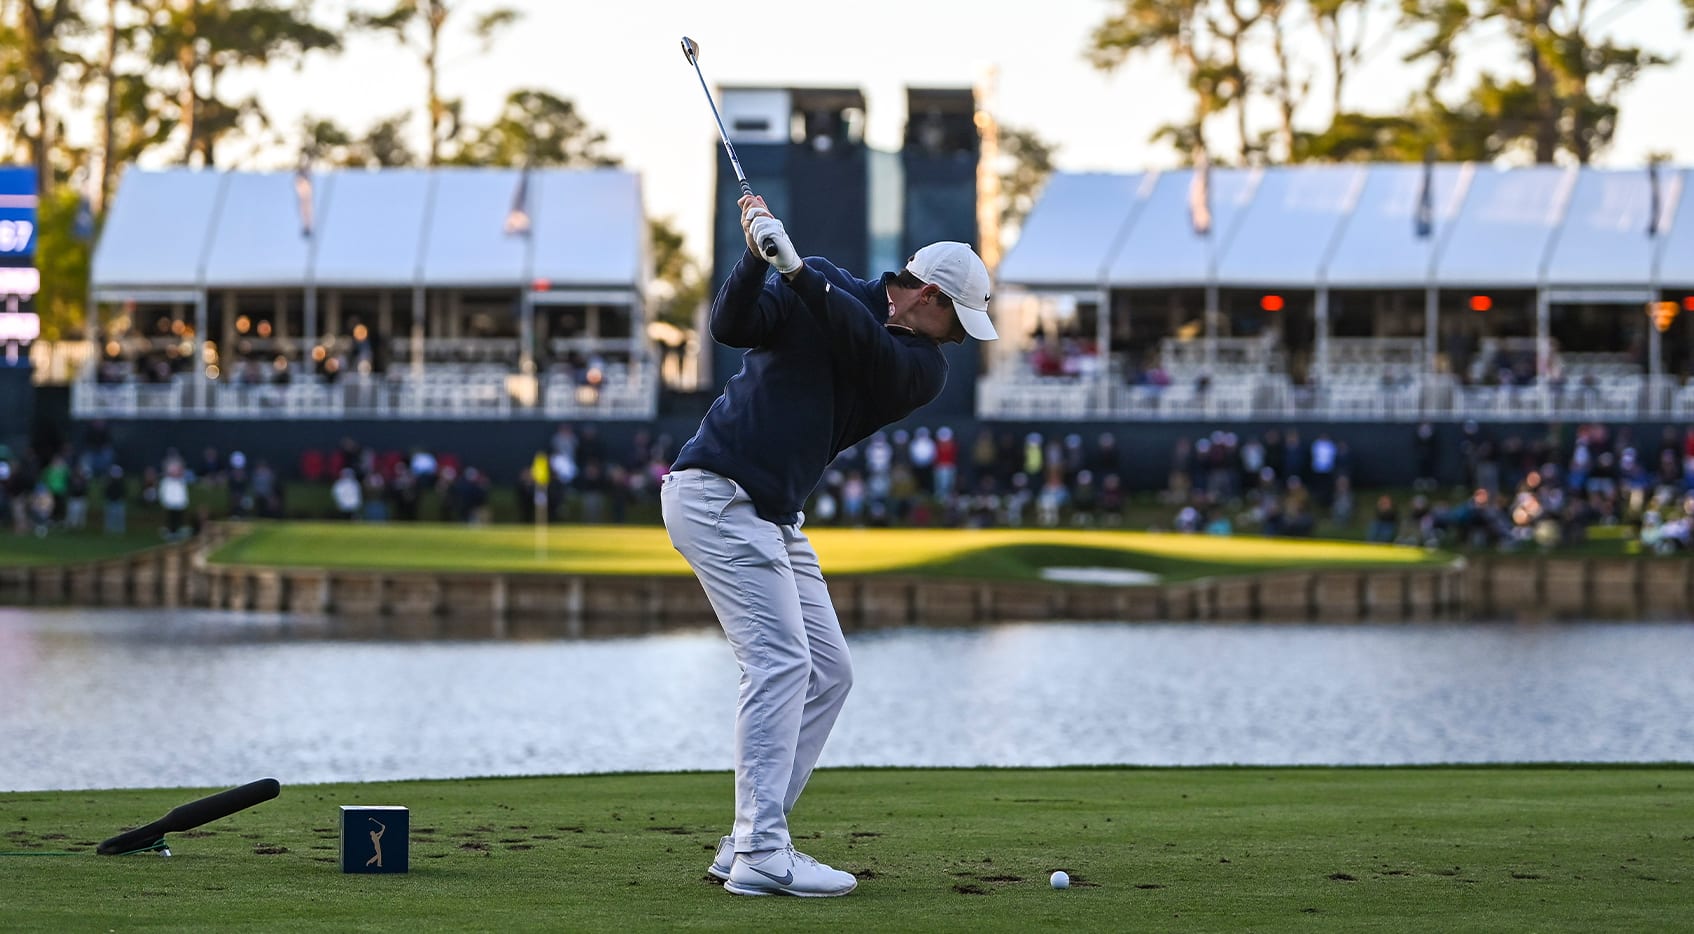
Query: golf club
{"points": [[691, 50], [189, 816]]}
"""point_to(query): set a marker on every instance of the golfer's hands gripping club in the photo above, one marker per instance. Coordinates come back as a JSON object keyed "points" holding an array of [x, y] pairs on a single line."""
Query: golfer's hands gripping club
{"points": [[779, 249], [752, 207]]}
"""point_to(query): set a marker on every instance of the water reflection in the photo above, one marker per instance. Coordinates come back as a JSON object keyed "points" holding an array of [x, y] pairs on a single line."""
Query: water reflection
{"points": [[136, 698]]}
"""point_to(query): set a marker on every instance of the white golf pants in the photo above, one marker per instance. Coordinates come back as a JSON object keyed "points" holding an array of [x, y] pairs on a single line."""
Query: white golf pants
{"points": [[765, 585]]}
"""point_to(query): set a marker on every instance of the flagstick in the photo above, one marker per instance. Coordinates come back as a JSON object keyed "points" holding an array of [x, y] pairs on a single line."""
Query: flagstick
{"points": [[540, 524]]}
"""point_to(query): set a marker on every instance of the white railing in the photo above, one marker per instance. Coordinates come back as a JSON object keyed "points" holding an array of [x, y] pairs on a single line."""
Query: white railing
{"points": [[439, 394], [1023, 396]]}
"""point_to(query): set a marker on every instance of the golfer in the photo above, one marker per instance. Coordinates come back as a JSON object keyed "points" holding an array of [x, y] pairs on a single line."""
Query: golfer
{"points": [[830, 359]]}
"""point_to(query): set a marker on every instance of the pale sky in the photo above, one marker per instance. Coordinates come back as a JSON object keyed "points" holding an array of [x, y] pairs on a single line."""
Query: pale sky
{"points": [[622, 66]]}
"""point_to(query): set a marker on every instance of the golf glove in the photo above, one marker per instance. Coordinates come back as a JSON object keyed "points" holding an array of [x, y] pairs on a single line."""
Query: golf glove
{"points": [[755, 210], [768, 228]]}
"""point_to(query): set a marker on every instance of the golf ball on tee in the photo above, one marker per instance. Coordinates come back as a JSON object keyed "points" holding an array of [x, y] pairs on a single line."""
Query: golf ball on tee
{"points": [[1061, 879]]}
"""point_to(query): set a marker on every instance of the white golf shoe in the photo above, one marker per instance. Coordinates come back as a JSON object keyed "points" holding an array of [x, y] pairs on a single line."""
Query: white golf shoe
{"points": [[723, 861], [787, 872]]}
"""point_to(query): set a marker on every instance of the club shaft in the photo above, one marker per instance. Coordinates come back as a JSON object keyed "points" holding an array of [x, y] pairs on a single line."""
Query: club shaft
{"points": [[768, 245], [723, 133]]}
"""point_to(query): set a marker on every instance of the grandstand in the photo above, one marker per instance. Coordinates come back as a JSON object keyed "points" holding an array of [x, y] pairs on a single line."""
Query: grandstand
{"points": [[439, 294], [1350, 293]]}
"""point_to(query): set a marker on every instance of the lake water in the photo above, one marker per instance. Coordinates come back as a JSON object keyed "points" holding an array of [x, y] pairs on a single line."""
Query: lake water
{"points": [[124, 698]]}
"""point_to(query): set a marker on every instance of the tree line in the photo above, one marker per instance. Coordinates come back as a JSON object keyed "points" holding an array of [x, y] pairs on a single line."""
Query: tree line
{"points": [[1553, 98], [157, 77]]}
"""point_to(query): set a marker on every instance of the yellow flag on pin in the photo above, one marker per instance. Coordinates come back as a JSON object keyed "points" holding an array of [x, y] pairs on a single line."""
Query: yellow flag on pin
{"points": [[539, 469]]}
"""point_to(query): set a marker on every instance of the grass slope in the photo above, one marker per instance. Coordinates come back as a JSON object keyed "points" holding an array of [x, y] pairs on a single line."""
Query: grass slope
{"points": [[63, 547], [983, 553], [1441, 849]]}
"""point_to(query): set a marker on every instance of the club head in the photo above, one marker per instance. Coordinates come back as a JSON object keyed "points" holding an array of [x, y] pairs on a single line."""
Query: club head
{"points": [[691, 50]]}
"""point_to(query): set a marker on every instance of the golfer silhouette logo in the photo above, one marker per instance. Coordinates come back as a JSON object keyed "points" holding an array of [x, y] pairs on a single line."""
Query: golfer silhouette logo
{"points": [[376, 843]]}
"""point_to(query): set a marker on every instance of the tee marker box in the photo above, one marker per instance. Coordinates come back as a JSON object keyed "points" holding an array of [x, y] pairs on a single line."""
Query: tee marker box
{"points": [[375, 839]]}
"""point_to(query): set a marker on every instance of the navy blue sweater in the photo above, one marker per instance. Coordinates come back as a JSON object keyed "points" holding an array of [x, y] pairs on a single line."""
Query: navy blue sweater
{"points": [[821, 373]]}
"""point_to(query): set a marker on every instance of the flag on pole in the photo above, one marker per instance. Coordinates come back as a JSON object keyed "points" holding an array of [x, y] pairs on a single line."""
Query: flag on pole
{"points": [[303, 193], [1424, 221], [1200, 193], [1652, 199], [517, 219]]}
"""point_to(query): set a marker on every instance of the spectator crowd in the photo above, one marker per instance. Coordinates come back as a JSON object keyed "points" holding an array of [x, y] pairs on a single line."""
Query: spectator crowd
{"points": [[1504, 490]]}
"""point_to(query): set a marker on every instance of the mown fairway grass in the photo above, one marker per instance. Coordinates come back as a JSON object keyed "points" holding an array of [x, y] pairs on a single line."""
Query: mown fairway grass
{"points": [[620, 549], [1420, 849]]}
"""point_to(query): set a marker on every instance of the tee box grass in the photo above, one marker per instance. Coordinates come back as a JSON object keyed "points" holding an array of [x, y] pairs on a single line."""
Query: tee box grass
{"points": [[1486, 849]]}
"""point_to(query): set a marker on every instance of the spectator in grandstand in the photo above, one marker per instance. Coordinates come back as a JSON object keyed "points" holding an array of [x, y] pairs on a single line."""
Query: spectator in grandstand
{"points": [[1688, 459], [1341, 501], [56, 477], [1385, 524], [921, 454], [470, 495], [595, 490], [374, 507], [1051, 501], [174, 498], [1111, 500], [210, 470], [1085, 499], [76, 498], [1323, 468], [267, 491], [239, 484], [38, 510], [1293, 458], [1428, 458], [114, 498], [424, 468], [854, 495], [7, 493], [347, 494], [1032, 457], [946, 475]]}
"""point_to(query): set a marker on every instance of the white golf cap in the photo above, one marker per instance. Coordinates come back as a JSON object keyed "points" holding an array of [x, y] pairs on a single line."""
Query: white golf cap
{"points": [[959, 273]]}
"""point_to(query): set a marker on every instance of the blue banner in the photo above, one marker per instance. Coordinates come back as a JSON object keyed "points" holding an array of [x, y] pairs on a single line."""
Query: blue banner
{"points": [[17, 213]]}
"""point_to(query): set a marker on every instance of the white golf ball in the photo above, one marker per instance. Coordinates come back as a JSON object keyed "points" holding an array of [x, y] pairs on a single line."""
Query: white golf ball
{"points": [[1061, 879]]}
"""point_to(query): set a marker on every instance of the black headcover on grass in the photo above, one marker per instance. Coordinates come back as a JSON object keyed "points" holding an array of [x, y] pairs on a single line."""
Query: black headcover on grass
{"points": [[191, 815]]}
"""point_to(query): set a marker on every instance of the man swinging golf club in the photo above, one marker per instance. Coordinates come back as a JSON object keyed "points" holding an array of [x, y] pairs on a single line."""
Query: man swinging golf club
{"points": [[830, 359]]}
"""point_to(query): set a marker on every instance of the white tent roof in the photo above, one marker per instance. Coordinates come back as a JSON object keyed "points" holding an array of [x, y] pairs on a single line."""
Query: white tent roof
{"points": [[1162, 248], [584, 225], [184, 229], [1349, 226], [259, 237], [1286, 230], [466, 242], [156, 233], [1501, 236], [1068, 236], [1676, 251], [1380, 242], [371, 231], [1605, 232]]}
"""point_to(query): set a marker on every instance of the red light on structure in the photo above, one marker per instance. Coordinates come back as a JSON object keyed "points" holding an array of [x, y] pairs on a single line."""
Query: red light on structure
{"points": [[1688, 303], [541, 285], [1481, 303], [1271, 303]]}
